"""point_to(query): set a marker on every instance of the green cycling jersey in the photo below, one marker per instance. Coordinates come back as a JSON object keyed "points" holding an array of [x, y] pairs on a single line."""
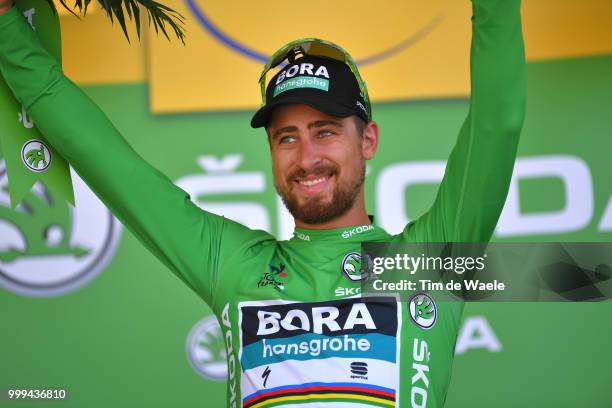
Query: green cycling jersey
{"points": [[295, 335]]}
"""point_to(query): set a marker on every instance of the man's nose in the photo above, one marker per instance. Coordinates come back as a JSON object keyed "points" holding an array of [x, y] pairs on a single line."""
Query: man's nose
{"points": [[309, 154]]}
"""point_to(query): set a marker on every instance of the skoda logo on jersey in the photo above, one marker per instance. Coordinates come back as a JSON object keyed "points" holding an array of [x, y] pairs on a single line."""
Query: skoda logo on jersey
{"points": [[423, 310], [36, 155], [47, 247], [206, 349], [351, 266]]}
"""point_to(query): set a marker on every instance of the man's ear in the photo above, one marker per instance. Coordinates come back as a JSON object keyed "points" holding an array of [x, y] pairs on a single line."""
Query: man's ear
{"points": [[369, 140]]}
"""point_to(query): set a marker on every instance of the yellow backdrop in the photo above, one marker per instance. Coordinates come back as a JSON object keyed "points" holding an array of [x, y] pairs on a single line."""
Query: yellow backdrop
{"points": [[425, 45]]}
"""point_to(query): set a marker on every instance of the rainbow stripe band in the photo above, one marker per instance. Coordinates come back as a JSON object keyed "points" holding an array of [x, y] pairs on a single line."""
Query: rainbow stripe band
{"points": [[331, 392]]}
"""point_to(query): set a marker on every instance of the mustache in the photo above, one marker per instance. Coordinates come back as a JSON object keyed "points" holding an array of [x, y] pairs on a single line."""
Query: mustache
{"points": [[327, 169]]}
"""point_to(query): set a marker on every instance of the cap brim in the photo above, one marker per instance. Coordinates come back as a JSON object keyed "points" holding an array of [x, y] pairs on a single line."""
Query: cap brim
{"points": [[262, 116]]}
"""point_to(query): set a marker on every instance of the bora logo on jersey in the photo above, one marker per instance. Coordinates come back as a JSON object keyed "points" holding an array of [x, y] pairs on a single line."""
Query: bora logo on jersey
{"points": [[295, 346]]}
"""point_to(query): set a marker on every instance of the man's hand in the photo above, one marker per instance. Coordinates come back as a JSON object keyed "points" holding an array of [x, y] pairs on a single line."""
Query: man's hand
{"points": [[5, 5]]}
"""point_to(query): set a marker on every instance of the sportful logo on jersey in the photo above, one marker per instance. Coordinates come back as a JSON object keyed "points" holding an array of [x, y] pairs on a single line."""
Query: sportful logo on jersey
{"points": [[324, 352], [423, 310], [359, 369]]}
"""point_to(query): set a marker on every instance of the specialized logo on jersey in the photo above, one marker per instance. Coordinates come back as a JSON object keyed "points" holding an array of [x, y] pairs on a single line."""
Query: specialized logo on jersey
{"points": [[206, 349], [36, 155], [423, 310], [274, 277], [324, 352], [351, 266]]}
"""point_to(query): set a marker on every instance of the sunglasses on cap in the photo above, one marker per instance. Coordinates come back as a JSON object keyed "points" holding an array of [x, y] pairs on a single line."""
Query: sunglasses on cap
{"points": [[317, 48]]}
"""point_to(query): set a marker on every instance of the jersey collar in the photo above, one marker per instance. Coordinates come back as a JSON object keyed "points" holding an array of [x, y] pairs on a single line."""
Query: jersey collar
{"points": [[359, 233]]}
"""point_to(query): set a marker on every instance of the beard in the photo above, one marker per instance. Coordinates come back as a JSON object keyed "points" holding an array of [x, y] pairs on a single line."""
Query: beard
{"points": [[316, 209]]}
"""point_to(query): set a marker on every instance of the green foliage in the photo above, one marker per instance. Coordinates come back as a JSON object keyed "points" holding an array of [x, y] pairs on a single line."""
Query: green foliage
{"points": [[160, 15]]}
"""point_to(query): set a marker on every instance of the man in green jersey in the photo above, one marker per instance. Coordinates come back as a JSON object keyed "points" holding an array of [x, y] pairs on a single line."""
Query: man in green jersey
{"points": [[292, 338]]}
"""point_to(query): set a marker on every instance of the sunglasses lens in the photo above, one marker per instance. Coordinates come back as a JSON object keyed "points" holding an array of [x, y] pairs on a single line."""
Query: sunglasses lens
{"points": [[309, 48], [279, 58], [324, 50]]}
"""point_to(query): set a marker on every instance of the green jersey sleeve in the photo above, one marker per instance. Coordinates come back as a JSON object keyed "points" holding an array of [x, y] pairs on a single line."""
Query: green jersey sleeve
{"points": [[478, 172], [191, 242]]}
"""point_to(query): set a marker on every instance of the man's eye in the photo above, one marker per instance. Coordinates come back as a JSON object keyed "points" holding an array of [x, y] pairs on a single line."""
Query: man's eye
{"points": [[326, 133], [286, 139]]}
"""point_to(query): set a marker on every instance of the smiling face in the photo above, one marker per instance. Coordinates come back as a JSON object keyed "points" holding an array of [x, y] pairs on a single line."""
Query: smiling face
{"points": [[318, 163]]}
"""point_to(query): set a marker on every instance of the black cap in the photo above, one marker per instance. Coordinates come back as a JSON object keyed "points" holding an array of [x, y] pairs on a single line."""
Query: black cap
{"points": [[325, 84]]}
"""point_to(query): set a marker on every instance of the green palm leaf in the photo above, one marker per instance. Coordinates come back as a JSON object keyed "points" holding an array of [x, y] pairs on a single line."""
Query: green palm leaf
{"points": [[160, 15]]}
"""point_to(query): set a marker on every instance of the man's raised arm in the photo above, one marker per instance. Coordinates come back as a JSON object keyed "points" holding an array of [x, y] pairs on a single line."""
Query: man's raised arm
{"points": [[478, 172], [183, 237]]}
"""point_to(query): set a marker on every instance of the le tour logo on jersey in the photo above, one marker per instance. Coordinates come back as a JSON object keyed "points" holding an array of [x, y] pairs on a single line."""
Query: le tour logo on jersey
{"points": [[304, 68]]}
